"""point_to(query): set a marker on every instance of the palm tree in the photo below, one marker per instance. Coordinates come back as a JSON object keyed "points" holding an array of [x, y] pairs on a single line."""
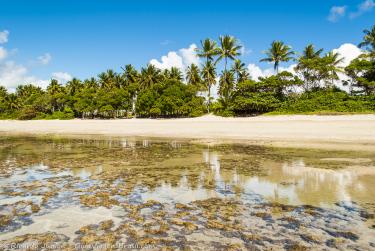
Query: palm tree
{"points": [[333, 62], [3, 91], [239, 69], [91, 83], [279, 52], [369, 40], [229, 48], [310, 53], [226, 86], [208, 50], [192, 75], [175, 73], [107, 79], [12, 102], [149, 76], [73, 86], [209, 77], [130, 74], [54, 87]]}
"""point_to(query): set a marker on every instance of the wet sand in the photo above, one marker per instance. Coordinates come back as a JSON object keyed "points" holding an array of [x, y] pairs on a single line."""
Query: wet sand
{"points": [[331, 132]]}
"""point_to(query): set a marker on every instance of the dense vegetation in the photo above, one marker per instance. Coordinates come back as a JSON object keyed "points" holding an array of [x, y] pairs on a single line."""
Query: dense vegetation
{"points": [[151, 92]]}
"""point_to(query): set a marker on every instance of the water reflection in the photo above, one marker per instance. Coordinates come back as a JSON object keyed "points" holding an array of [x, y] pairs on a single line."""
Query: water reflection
{"points": [[175, 171]]}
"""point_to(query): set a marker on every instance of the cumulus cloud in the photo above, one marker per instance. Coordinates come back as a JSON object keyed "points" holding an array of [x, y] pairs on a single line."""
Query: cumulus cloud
{"points": [[13, 74], [256, 72], [180, 59], [348, 52], [336, 13], [45, 59], [62, 77], [4, 36], [3, 53], [362, 8]]}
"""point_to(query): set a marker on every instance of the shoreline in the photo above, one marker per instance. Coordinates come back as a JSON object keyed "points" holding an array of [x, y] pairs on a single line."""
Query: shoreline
{"points": [[340, 132]]}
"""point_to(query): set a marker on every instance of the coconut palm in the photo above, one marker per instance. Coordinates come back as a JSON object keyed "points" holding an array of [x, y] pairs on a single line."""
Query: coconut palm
{"points": [[192, 75], [12, 102], [107, 79], [309, 52], [90, 83], [332, 62], [3, 91], [209, 77], [130, 74], [149, 76], [239, 69], [208, 50], [54, 87], [369, 40], [73, 86], [175, 73], [229, 48], [24, 91], [279, 52], [226, 86]]}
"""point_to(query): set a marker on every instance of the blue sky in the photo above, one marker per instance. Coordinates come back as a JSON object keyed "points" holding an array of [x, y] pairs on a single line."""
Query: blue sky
{"points": [[83, 38]]}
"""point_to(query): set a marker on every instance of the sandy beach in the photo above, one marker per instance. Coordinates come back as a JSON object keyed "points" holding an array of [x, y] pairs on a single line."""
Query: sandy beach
{"points": [[350, 132]]}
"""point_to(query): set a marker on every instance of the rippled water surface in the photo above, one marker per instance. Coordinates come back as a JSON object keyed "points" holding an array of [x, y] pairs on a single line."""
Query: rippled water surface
{"points": [[117, 193]]}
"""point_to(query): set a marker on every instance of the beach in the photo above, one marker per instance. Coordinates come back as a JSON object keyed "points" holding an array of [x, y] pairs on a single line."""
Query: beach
{"points": [[345, 132]]}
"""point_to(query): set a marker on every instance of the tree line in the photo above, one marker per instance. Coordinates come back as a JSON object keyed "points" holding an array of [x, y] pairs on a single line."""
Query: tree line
{"points": [[151, 92]]}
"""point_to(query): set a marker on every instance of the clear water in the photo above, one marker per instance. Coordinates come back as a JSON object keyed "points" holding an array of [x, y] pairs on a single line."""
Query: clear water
{"points": [[198, 196]]}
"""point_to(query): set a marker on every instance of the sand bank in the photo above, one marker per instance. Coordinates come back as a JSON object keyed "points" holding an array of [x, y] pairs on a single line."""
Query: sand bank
{"points": [[351, 132]]}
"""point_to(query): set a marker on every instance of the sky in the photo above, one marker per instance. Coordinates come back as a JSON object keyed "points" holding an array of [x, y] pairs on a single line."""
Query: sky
{"points": [[40, 40]]}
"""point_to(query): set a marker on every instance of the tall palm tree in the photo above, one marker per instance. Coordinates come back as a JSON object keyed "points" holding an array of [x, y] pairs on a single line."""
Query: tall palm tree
{"points": [[226, 86], [149, 76], [229, 48], [107, 79], [3, 91], [279, 52], [73, 86], [333, 62], [130, 74], [369, 40], [91, 83], [208, 50], [192, 75], [309, 52], [175, 73], [239, 69], [209, 77], [54, 87], [12, 101]]}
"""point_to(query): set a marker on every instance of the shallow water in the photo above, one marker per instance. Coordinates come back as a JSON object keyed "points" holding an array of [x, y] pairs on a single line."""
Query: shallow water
{"points": [[123, 192]]}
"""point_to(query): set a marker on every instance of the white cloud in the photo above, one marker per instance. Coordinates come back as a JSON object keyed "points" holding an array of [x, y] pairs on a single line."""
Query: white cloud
{"points": [[45, 59], [364, 7], [348, 52], [256, 72], [336, 13], [3, 53], [181, 59], [62, 77], [12, 75], [4, 36]]}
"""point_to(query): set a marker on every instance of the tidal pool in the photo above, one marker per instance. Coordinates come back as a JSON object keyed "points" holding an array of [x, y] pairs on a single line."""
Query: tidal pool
{"points": [[123, 193]]}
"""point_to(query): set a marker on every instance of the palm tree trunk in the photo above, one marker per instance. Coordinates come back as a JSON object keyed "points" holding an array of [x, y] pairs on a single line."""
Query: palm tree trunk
{"points": [[209, 98]]}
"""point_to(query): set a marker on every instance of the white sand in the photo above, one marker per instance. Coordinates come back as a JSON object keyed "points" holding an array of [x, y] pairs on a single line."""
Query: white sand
{"points": [[348, 131]]}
